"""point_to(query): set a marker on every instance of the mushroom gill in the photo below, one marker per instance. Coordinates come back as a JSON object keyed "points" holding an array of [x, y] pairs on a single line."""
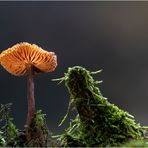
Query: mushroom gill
{"points": [[19, 57]]}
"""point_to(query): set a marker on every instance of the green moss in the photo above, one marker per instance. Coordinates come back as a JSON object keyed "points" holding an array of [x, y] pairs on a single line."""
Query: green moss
{"points": [[38, 131], [136, 143], [98, 123], [2, 140], [9, 131]]}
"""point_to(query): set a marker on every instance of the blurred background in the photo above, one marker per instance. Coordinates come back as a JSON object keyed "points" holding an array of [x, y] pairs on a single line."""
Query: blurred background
{"points": [[112, 36]]}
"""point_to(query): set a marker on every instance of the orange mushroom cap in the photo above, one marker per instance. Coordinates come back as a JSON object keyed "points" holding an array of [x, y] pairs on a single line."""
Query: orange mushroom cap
{"points": [[17, 59]]}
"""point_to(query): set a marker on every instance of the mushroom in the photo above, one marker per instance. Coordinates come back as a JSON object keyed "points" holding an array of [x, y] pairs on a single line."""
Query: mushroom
{"points": [[28, 59]]}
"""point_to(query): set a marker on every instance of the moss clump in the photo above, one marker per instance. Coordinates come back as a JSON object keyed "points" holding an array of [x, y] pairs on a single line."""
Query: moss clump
{"points": [[2, 140], [39, 133], [98, 123], [9, 132]]}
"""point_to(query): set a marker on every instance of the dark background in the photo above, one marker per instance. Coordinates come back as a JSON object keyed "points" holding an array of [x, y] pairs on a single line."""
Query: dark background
{"points": [[108, 35]]}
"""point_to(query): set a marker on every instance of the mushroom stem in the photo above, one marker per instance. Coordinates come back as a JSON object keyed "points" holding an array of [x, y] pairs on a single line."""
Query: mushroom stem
{"points": [[30, 95]]}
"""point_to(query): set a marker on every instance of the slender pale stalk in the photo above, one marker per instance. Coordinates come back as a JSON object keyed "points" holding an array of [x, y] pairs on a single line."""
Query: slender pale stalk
{"points": [[30, 95]]}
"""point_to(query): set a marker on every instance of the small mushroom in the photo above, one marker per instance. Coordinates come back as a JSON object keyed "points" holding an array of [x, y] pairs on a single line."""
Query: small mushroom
{"points": [[28, 59]]}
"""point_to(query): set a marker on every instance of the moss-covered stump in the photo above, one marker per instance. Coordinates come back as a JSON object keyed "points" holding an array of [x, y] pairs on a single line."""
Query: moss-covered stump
{"points": [[98, 123]]}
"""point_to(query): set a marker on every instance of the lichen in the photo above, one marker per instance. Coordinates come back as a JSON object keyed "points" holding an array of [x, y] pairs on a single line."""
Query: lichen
{"points": [[98, 123]]}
